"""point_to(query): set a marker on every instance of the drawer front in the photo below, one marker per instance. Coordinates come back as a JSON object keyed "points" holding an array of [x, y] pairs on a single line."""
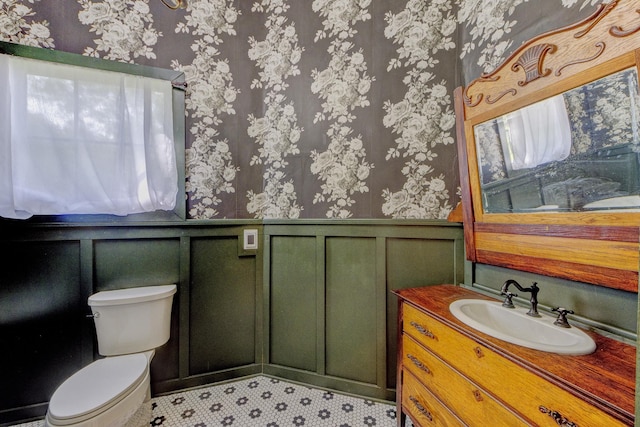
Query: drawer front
{"points": [[423, 407], [426, 330], [530, 395], [468, 401]]}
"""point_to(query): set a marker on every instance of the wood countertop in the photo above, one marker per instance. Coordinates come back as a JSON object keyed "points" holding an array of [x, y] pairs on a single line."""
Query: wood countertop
{"points": [[605, 378]]}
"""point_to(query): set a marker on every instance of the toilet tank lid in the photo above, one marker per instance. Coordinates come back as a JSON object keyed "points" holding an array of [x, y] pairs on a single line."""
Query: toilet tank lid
{"points": [[131, 295]]}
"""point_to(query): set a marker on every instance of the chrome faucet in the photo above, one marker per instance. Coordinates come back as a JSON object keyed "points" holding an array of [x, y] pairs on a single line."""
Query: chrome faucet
{"points": [[533, 311]]}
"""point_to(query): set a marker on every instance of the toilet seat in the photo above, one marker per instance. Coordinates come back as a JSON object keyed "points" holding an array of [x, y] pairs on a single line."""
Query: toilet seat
{"points": [[97, 387]]}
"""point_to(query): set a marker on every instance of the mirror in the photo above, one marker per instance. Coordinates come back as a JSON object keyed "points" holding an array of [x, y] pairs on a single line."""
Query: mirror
{"points": [[548, 148], [577, 151]]}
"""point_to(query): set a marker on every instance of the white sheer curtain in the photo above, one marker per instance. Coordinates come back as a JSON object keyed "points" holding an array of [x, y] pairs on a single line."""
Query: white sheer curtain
{"points": [[537, 134], [76, 140]]}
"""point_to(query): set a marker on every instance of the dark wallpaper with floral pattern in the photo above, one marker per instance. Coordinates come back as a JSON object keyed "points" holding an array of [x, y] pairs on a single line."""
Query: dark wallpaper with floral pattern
{"points": [[307, 108]]}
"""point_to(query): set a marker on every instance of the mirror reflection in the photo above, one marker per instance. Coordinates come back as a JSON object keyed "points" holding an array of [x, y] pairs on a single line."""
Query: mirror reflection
{"points": [[577, 151]]}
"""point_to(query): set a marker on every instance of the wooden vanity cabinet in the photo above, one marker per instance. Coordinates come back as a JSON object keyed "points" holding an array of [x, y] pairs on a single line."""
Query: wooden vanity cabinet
{"points": [[449, 374], [453, 390]]}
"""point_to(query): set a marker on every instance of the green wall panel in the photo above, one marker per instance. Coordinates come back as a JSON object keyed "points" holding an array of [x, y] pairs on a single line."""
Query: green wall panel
{"points": [[330, 283], [126, 263], [419, 262], [293, 302], [222, 306], [130, 263], [411, 263], [351, 311], [41, 320]]}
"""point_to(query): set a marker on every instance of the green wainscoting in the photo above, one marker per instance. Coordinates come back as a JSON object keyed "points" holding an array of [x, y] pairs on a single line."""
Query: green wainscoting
{"points": [[292, 303], [351, 333], [222, 312], [49, 271], [312, 304], [330, 319], [42, 335]]}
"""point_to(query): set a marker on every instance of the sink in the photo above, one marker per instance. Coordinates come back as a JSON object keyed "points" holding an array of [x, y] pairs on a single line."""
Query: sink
{"points": [[516, 327]]}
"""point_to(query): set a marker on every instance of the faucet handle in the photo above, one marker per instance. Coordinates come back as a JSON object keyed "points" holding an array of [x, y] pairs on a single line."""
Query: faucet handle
{"points": [[507, 299], [562, 317]]}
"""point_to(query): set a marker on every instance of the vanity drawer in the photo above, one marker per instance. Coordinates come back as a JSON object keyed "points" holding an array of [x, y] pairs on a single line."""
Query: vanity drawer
{"points": [[535, 398], [470, 402], [426, 330], [424, 407]]}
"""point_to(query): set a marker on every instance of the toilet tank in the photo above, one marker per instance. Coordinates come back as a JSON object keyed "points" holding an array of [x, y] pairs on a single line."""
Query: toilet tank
{"points": [[132, 320]]}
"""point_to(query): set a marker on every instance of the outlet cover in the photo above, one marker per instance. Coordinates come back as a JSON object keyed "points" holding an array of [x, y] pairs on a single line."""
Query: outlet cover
{"points": [[250, 239]]}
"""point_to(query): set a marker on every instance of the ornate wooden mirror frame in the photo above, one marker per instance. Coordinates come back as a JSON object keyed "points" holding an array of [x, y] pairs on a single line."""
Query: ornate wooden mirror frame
{"points": [[599, 247]]}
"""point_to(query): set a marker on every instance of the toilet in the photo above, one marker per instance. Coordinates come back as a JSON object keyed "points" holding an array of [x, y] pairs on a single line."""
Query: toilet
{"points": [[115, 390]]}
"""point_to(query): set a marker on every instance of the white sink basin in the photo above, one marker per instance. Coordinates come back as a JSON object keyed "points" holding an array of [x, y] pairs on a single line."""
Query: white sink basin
{"points": [[515, 326]]}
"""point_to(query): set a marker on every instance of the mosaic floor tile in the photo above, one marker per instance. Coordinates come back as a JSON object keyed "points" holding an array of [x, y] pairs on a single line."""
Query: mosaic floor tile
{"points": [[270, 402], [264, 401]]}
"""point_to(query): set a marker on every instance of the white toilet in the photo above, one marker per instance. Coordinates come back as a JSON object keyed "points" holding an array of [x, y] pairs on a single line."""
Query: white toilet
{"points": [[115, 391]]}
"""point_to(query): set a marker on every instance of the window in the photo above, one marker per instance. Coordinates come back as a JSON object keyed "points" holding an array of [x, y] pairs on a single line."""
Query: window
{"points": [[84, 140]]}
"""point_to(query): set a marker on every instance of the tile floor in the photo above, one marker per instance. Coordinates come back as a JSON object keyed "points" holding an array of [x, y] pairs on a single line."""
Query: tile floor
{"points": [[266, 402]]}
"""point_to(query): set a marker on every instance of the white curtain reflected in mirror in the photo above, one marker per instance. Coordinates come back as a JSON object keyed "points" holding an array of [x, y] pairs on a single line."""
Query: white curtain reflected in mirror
{"points": [[537, 134], [576, 151]]}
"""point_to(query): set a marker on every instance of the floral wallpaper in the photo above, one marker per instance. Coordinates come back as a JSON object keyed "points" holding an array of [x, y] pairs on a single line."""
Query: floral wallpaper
{"points": [[423, 119], [344, 87], [210, 165], [494, 28], [277, 132], [306, 109]]}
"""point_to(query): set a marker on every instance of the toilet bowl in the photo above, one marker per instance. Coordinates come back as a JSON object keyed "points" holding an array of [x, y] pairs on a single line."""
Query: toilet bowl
{"points": [[115, 390], [108, 392]]}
